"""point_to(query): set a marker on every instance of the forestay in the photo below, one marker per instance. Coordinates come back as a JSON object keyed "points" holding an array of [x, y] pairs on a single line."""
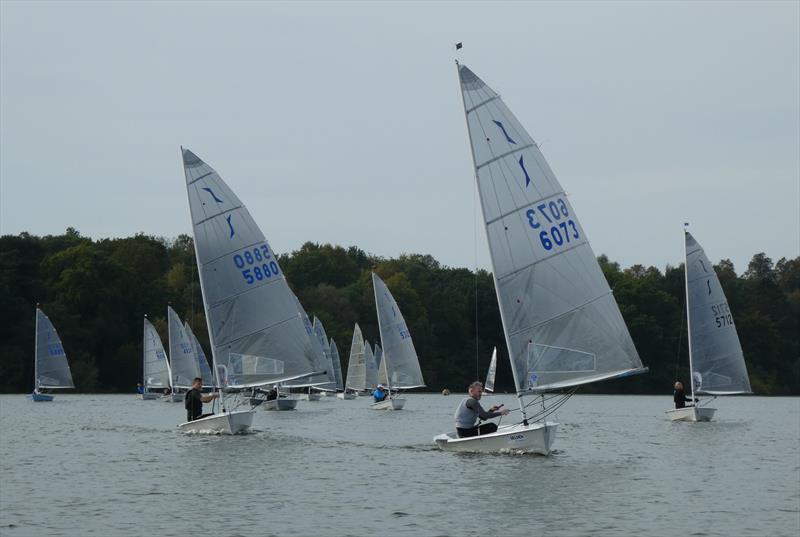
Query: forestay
{"points": [[492, 371], [717, 359], [257, 336], [156, 369], [399, 354], [337, 365], [356, 365], [52, 368], [562, 324], [183, 362], [202, 361]]}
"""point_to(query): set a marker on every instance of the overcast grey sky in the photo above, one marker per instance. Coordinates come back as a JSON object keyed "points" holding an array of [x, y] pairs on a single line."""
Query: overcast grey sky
{"points": [[342, 122]]}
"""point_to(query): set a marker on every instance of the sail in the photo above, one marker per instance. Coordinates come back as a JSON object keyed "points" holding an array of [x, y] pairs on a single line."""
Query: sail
{"points": [[52, 368], [399, 354], [156, 369], [183, 363], [202, 361], [561, 322], [257, 336], [372, 367], [383, 374], [324, 344], [717, 360], [337, 365], [319, 359], [357, 365], [492, 371]]}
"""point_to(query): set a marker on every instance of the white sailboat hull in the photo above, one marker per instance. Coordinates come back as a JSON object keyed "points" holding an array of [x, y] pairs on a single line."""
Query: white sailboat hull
{"points": [[312, 397], [280, 404], [227, 423], [173, 398], [148, 396], [346, 395], [691, 413], [533, 438], [394, 403]]}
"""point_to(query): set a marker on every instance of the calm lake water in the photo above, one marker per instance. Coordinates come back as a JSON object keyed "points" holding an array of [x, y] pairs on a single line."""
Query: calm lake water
{"points": [[114, 465]]}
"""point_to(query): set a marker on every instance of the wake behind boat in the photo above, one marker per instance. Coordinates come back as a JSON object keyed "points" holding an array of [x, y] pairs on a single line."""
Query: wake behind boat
{"points": [[561, 323], [716, 360]]}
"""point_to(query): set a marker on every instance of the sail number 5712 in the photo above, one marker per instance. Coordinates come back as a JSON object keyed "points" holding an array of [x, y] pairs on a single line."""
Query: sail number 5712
{"points": [[551, 220]]}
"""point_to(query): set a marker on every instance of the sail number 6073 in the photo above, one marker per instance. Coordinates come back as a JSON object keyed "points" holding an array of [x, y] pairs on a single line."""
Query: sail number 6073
{"points": [[563, 229]]}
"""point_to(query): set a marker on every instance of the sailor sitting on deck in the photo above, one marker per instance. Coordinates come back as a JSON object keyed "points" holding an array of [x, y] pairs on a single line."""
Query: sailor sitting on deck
{"points": [[379, 394], [469, 410], [194, 400], [679, 396]]}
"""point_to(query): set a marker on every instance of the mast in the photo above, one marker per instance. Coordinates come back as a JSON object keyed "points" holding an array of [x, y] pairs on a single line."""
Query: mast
{"points": [[144, 354], [688, 309], [494, 272], [385, 356], [215, 372], [36, 351]]}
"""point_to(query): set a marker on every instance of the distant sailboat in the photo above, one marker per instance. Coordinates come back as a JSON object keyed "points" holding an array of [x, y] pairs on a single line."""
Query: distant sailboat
{"points": [[560, 320], [51, 368], [357, 365], [399, 364], [257, 336], [337, 364], [155, 368], [371, 377], [489, 385], [183, 362], [716, 360], [330, 366], [324, 378], [202, 361]]}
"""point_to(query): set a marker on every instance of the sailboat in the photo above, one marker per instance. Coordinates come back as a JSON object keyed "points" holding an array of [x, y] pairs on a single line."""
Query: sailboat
{"points": [[325, 345], [561, 323], [257, 335], [183, 362], [716, 361], [50, 365], [371, 377], [337, 367], [155, 368], [489, 385], [202, 361], [399, 367], [324, 380], [356, 366]]}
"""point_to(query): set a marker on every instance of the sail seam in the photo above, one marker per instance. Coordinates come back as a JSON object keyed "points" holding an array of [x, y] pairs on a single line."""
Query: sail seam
{"points": [[517, 209], [487, 101], [201, 177], [270, 327], [231, 297], [237, 250], [529, 265], [495, 159], [204, 220], [564, 314]]}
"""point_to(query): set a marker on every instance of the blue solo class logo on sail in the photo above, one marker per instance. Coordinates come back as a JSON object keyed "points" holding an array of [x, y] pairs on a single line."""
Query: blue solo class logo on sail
{"points": [[551, 221], [256, 264]]}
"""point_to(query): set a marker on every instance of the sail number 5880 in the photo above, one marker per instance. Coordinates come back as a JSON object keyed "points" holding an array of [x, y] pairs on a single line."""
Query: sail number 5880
{"points": [[563, 229], [258, 263]]}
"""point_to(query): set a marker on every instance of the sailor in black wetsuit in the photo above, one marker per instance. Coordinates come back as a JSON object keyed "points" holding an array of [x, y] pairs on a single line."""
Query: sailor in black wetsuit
{"points": [[679, 396], [194, 401]]}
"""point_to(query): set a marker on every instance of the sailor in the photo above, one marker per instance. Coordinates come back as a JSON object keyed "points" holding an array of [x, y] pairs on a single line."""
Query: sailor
{"points": [[379, 394], [273, 393], [194, 400], [470, 409], [679, 396]]}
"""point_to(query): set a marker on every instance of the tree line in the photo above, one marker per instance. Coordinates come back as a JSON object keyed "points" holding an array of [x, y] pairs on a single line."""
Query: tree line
{"points": [[97, 292]]}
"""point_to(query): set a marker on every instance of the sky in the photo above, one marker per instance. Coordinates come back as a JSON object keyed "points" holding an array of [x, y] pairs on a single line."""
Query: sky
{"points": [[342, 122]]}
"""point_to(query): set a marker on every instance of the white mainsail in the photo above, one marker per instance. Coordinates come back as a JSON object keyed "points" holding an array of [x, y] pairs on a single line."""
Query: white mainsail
{"points": [[357, 365], [489, 386], [717, 361], [402, 364], [51, 369], [562, 325], [183, 362], [202, 361], [337, 365], [372, 367], [156, 371], [324, 344], [257, 336]]}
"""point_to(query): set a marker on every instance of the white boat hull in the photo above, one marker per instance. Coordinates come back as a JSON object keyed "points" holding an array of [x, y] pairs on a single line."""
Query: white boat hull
{"points": [[227, 423], [691, 413], [280, 404], [312, 397], [395, 403], [173, 398], [520, 438], [346, 395], [148, 396]]}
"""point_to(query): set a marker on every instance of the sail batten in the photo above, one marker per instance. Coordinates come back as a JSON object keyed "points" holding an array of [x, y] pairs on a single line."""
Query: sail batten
{"points": [[561, 322]]}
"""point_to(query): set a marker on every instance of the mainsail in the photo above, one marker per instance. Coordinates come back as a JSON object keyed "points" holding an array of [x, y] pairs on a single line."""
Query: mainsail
{"points": [[717, 360], [337, 365], [324, 344], [202, 361], [562, 325], [399, 354], [183, 361], [492, 371], [51, 366], [156, 372], [372, 367], [357, 365], [257, 336]]}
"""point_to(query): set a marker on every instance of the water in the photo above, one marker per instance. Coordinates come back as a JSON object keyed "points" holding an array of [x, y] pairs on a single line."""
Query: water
{"points": [[113, 465]]}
